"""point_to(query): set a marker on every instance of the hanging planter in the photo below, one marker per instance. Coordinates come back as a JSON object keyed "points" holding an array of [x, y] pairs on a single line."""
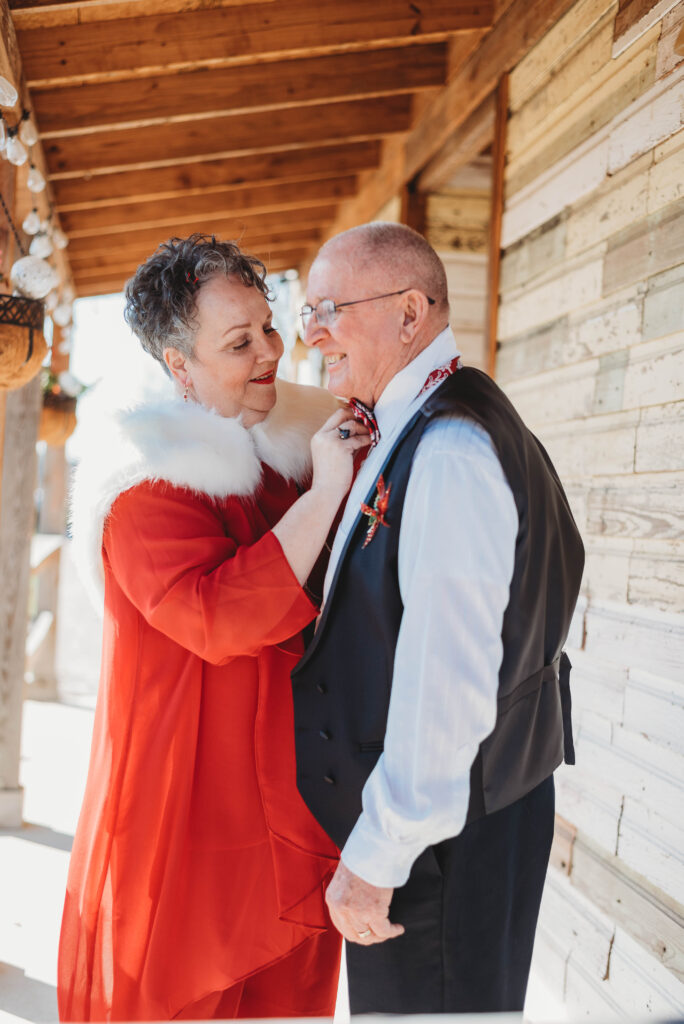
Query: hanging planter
{"points": [[57, 419], [58, 416], [22, 345]]}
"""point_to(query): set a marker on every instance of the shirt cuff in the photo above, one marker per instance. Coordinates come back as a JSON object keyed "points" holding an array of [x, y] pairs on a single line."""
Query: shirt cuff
{"points": [[376, 858]]}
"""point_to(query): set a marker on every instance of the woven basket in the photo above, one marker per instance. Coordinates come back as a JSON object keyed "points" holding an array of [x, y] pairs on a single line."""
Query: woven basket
{"points": [[57, 420], [22, 345]]}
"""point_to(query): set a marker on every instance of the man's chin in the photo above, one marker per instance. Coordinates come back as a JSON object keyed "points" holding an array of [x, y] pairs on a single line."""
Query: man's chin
{"points": [[339, 387], [340, 393]]}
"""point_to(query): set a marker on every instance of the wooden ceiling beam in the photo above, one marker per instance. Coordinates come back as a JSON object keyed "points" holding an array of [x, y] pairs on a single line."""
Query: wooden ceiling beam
{"points": [[464, 146], [47, 13], [114, 286], [88, 289], [215, 91], [519, 28], [353, 120], [132, 254], [141, 244], [98, 51], [281, 261], [200, 177], [237, 228], [233, 203], [521, 24]]}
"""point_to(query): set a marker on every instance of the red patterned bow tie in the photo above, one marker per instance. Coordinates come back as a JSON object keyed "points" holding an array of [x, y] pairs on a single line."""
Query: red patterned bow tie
{"points": [[363, 414], [366, 416]]}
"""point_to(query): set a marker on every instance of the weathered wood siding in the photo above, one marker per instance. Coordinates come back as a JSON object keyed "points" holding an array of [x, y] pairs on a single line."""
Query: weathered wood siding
{"points": [[591, 333], [457, 225], [467, 281]]}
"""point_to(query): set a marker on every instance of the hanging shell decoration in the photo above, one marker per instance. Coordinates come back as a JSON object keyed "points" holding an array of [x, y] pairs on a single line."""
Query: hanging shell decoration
{"points": [[33, 277]]}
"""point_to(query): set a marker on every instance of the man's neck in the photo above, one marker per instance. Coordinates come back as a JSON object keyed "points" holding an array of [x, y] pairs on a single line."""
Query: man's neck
{"points": [[418, 346]]}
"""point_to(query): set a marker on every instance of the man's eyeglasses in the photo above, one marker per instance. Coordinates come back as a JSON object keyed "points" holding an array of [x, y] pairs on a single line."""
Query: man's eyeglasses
{"points": [[326, 310]]}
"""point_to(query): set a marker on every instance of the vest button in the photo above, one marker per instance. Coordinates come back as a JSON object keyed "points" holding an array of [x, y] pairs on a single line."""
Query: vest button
{"points": [[324, 734], [329, 779], [321, 687]]}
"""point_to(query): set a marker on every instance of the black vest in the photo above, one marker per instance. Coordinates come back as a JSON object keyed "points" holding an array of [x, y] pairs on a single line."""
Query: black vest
{"points": [[342, 684]]}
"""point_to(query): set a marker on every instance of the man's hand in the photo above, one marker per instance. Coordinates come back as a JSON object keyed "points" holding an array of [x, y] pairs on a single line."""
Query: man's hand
{"points": [[357, 908]]}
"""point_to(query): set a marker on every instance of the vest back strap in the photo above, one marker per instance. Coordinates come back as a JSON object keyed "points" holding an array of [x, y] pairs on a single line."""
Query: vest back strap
{"points": [[558, 671], [547, 674]]}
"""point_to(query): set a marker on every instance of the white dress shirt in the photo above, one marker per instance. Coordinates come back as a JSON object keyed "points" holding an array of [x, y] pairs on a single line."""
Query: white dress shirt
{"points": [[456, 554]]}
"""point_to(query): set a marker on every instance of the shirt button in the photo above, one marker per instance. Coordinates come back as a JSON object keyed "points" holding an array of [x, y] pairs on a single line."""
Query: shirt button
{"points": [[324, 734], [321, 687], [330, 779]]}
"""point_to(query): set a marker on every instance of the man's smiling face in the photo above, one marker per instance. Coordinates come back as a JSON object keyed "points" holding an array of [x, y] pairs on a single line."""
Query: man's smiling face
{"points": [[362, 347]]}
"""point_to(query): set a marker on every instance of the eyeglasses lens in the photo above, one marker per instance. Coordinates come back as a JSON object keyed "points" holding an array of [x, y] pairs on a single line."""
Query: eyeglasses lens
{"points": [[325, 312]]}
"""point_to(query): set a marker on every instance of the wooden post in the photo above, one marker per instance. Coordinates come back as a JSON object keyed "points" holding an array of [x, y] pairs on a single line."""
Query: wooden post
{"points": [[19, 412], [41, 651], [413, 207], [499, 163], [16, 527], [3, 405]]}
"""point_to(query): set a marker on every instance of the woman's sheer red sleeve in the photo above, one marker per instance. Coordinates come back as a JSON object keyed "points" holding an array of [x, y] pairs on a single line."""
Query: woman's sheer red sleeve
{"points": [[170, 555]]}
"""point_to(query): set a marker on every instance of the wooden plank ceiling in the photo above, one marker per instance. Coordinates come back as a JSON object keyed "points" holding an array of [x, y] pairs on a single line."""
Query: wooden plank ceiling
{"points": [[254, 121]]}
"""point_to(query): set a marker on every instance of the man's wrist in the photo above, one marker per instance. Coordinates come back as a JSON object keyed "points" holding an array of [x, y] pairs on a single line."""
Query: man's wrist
{"points": [[378, 859]]}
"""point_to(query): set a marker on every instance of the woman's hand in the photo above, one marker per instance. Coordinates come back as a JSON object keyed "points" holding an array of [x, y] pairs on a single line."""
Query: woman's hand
{"points": [[303, 530], [333, 455]]}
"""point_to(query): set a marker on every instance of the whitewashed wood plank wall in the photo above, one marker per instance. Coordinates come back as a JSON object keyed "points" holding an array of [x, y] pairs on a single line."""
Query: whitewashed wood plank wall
{"points": [[591, 350], [457, 225]]}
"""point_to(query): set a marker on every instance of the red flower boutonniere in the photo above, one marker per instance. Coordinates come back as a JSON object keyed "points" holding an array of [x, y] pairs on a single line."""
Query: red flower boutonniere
{"points": [[376, 514]]}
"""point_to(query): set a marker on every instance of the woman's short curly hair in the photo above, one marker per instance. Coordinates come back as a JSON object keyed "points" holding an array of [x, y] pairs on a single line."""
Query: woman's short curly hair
{"points": [[161, 297]]}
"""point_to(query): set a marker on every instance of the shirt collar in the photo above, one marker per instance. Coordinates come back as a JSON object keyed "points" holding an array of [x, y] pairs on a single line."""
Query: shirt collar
{"points": [[406, 385]]}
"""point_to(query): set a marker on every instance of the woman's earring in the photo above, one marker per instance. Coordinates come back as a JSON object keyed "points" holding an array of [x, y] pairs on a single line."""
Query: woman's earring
{"points": [[185, 392]]}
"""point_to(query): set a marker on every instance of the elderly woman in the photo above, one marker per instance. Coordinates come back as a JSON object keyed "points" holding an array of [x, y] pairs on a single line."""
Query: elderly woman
{"points": [[196, 884]]}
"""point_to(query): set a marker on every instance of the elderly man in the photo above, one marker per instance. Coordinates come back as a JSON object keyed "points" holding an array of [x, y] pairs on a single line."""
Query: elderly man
{"points": [[432, 705]]}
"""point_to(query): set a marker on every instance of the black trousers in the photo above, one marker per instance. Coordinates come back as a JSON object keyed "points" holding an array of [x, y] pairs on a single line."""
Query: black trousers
{"points": [[470, 910]]}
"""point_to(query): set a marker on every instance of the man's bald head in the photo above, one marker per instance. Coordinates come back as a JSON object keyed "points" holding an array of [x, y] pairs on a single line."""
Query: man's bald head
{"points": [[389, 292], [395, 254]]}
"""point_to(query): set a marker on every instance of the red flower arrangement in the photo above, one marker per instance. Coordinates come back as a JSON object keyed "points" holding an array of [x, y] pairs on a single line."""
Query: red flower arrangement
{"points": [[376, 513]]}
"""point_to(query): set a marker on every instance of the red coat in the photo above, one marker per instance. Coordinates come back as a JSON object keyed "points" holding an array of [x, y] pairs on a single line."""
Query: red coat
{"points": [[195, 863]]}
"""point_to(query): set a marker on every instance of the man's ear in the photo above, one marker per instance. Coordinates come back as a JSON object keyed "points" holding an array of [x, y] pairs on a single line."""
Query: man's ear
{"points": [[177, 363], [415, 308]]}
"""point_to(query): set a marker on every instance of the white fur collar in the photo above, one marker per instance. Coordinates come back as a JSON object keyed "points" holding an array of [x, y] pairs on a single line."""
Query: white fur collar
{"points": [[189, 446]]}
